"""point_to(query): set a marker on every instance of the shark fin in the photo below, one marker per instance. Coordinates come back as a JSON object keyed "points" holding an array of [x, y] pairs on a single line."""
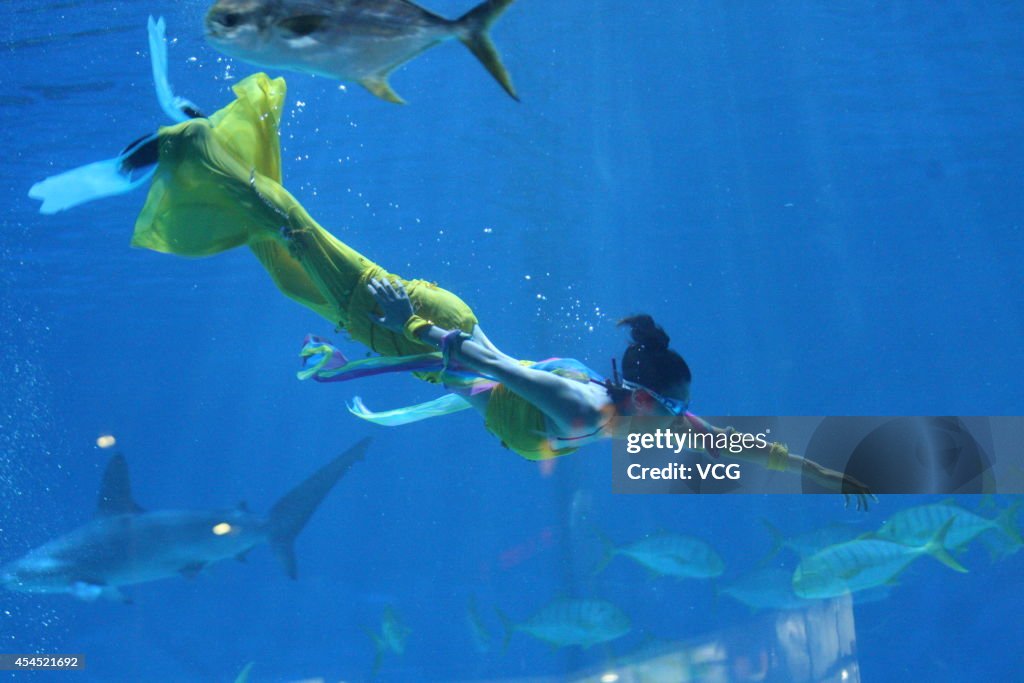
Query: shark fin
{"points": [[116, 490], [380, 87], [191, 571], [290, 514], [473, 31]]}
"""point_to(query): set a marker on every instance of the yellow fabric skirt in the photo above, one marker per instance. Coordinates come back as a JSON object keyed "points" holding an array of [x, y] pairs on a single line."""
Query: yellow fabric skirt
{"points": [[218, 186]]}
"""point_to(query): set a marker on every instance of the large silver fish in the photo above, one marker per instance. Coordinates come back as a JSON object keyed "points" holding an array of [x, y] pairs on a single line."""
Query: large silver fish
{"points": [[361, 41]]}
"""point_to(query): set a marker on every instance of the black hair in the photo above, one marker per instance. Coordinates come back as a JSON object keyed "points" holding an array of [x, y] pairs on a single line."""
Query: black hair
{"points": [[648, 360]]}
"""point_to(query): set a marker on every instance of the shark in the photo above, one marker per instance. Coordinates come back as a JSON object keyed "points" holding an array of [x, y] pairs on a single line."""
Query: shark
{"points": [[123, 544]]}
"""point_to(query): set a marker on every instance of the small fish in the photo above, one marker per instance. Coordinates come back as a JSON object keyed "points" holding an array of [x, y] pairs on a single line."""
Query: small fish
{"points": [[916, 525], [361, 41], [865, 563], [392, 637], [667, 554], [569, 621]]}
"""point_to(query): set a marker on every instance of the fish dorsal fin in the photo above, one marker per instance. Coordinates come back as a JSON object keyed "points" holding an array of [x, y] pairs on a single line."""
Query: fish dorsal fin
{"points": [[116, 491]]}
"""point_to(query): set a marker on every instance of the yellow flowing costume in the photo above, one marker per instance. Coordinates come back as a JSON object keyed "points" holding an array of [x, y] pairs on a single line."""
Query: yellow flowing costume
{"points": [[218, 186]]}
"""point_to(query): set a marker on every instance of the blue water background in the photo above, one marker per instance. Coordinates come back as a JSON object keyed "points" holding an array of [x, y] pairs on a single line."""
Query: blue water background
{"points": [[821, 203]]}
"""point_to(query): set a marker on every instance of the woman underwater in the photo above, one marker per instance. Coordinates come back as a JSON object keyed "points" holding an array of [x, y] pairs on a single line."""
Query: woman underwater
{"points": [[217, 185]]}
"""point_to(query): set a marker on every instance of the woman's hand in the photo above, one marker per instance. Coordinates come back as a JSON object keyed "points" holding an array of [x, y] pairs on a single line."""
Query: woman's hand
{"points": [[394, 303], [840, 482], [852, 487]]}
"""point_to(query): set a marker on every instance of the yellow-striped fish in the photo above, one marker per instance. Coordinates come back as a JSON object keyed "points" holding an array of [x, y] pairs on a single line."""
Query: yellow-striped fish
{"points": [[665, 554], [916, 525], [865, 563]]}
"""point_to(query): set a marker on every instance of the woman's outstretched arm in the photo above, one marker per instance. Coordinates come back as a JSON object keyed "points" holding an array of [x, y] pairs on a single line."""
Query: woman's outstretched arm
{"points": [[775, 456]]}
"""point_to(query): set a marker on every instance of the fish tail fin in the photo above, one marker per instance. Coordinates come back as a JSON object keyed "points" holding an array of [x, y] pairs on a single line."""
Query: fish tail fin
{"points": [[290, 514], [1007, 523], [936, 547], [508, 628], [778, 542], [607, 552], [473, 30], [379, 647]]}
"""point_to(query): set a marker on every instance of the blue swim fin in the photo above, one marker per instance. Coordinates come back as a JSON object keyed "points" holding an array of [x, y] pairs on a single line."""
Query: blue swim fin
{"points": [[174, 106], [97, 180], [112, 177]]}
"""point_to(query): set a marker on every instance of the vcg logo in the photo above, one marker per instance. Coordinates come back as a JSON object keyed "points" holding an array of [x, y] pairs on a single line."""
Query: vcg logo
{"points": [[718, 470]]}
